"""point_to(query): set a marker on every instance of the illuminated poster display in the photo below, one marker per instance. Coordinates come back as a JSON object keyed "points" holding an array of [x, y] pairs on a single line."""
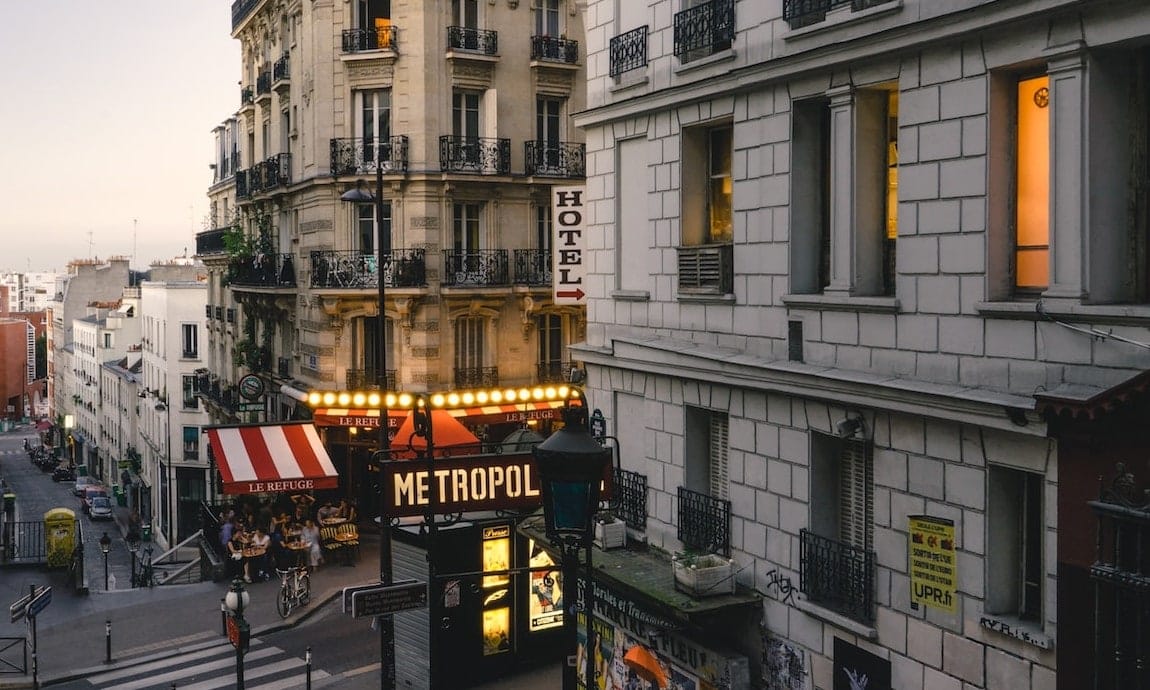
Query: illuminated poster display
{"points": [[496, 555], [496, 631], [545, 600]]}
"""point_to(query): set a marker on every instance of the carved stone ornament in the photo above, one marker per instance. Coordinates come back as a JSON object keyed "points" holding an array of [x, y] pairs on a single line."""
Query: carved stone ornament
{"points": [[529, 310]]}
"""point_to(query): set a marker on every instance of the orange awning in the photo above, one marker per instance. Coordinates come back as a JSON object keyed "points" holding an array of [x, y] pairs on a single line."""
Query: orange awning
{"points": [[446, 431], [640, 660]]}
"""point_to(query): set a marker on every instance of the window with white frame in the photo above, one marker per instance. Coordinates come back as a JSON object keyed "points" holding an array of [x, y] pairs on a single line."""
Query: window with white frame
{"points": [[1015, 530], [546, 17], [189, 338], [366, 228], [706, 468], [374, 126], [470, 350], [191, 402], [552, 347]]}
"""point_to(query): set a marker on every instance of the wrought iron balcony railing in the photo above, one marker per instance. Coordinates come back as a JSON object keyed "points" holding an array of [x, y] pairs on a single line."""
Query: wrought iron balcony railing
{"points": [[704, 29], [628, 51], [706, 269], [264, 82], [629, 498], [554, 159], [475, 268], [554, 49], [483, 155], [476, 377], [799, 13], [379, 38], [359, 155], [247, 96], [219, 313], [270, 174], [355, 270], [283, 367], [262, 270], [532, 266], [837, 576], [231, 315], [365, 379], [281, 70], [552, 372], [243, 186], [479, 40], [208, 311], [704, 522], [210, 242]]}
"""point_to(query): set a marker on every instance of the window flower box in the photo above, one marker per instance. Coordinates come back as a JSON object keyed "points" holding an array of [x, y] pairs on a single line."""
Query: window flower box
{"points": [[703, 575], [610, 533]]}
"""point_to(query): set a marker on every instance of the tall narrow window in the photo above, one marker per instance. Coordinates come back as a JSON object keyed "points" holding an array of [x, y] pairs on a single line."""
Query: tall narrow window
{"points": [[465, 230], [465, 13], [365, 224], [470, 344], [842, 477], [365, 350], [719, 185], [190, 341], [1015, 568], [465, 127], [375, 126], [547, 17], [543, 228], [1032, 209], [547, 132], [191, 402], [890, 236], [549, 328]]}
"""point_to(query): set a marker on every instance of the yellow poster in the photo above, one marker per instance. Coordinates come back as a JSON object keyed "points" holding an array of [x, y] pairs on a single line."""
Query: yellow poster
{"points": [[496, 557], [496, 631], [933, 570]]}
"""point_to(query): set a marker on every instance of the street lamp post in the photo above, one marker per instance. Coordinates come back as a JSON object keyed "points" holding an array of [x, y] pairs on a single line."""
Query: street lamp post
{"points": [[133, 548], [105, 546], [386, 623], [236, 599], [571, 465]]}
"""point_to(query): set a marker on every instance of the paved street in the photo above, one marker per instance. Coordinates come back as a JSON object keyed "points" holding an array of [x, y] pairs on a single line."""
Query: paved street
{"points": [[173, 634]]}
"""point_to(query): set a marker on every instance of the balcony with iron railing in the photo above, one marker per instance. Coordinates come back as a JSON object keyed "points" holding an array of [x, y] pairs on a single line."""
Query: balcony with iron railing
{"points": [[475, 268], [706, 269], [837, 576], [359, 155], [219, 313], [365, 379], [247, 96], [704, 522], [704, 29], [552, 372], [355, 270], [243, 186], [477, 40], [554, 49], [270, 174], [628, 51], [281, 74], [482, 155], [283, 367], [555, 159], [629, 498], [476, 377], [263, 271], [800, 13], [210, 242], [264, 84], [377, 38], [532, 267]]}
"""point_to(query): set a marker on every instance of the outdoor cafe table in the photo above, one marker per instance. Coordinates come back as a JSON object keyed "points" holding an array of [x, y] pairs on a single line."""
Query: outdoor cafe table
{"points": [[300, 548]]}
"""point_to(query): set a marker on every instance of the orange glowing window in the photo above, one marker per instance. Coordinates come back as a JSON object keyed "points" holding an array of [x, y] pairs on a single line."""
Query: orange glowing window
{"points": [[1032, 220]]}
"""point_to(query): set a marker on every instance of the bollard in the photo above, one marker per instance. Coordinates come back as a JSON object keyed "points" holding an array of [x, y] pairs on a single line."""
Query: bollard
{"points": [[307, 659], [108, 642], [223, 618]]}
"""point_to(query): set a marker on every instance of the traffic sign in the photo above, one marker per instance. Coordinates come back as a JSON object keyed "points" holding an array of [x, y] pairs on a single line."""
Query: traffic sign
{"points": [[20, 607], [239, 633], [40, 601], [348, 591], [382, 600]]}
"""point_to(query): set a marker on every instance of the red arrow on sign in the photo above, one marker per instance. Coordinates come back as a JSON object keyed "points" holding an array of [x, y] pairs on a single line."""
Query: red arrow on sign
{"points": [[577, 293]]}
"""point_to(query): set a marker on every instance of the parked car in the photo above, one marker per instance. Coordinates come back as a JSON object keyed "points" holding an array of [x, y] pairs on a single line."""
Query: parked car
{"points": [[90, 492], [81, 483], [64, 473], [100, 508]]}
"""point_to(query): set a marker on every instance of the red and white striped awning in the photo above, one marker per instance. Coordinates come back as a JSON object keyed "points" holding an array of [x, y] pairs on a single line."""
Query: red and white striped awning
{"points": [[271, 457]]}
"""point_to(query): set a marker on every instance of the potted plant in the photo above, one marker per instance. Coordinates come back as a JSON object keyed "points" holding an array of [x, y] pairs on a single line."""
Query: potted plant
{"points": [[610, 532], [703, 575]]}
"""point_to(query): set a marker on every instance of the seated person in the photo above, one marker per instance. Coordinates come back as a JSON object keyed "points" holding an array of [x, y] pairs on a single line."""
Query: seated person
{"points": [[262, 542], [327, 511], [237, 565], [347, 511], [303, 503]]}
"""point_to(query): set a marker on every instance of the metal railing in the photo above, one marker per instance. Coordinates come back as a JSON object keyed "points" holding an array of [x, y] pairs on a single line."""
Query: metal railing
{"points": [[231, 315], [552, 372], [269, 174], [705, 29], [837, 576], [479, 40], [358, 155], [555, 159], [364, 379], [800, 13], [706, 269], [484, 155], [219, 312], [554, 49], [243, 189], [264, 83], [283, 367], [629, 498], [281, 70], [247, 96], [628, 51], [356, 270], [262, 270], [476, 377], [704, 522], [359, 40], [210, 242], [23, 542], [14, 654], [475, 268], [532, 266]]}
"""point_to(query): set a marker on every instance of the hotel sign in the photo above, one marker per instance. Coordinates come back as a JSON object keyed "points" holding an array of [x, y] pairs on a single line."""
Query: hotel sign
{"points": [[568, 245]]}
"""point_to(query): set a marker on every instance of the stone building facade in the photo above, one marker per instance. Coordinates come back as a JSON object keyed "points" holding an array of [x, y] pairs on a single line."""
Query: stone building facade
{"points": [[860, 274]]}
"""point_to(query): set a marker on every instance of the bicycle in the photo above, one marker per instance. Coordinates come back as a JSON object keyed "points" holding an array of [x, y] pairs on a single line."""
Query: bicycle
{"points": [[295, 589]]}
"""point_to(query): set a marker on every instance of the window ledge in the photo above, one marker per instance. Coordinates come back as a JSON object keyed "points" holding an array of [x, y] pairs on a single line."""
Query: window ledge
{"points": [[625, 84], [1111, 314], [839, 302], [836, 619], [1023, 631], [843, 17], [719, 56], [706, 299], [631, 295]]}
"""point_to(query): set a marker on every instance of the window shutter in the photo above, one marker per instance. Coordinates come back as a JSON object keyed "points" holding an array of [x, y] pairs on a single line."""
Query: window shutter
{"points": [[856, 494], [718, 456]]}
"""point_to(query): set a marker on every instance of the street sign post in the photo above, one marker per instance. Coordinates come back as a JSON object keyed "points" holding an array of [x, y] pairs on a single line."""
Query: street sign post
{"points": [[383, 600], [19, 608], [40, 601]]}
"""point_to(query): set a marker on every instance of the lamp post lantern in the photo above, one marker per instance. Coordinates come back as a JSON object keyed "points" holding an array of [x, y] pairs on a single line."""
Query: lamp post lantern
{"points": [[105, 546], [133, 548], [382, 257], [571, 465], [237, 598]]}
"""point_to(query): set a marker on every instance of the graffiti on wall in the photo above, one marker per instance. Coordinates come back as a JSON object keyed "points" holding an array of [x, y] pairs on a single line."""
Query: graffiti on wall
{"points": [[784, 665], [777, 581]]}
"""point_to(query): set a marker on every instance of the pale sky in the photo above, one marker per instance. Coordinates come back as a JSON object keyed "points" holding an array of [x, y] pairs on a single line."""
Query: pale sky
{"points": [[106, 112]]}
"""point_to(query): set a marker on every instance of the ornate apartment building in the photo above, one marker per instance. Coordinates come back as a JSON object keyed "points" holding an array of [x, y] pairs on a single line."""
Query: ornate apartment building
{"points": [[869, 309], [462, 111]]}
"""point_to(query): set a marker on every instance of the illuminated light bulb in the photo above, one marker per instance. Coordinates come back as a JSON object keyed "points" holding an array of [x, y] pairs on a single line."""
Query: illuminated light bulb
{"points": [[524, 394], [564, 391], [344, 399], [496, 397], [391, 399], [329, 398], [468, 398], [438, 400], [453, 399], [373, 399], [353, 430], [537, 393], [481, 397], [358, 399], [509, 395], [314, 399], [405, 399], [550, 392]]}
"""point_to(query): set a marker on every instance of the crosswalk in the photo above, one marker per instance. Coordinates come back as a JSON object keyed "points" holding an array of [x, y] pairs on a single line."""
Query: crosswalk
{"points": [[266, 667]]}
